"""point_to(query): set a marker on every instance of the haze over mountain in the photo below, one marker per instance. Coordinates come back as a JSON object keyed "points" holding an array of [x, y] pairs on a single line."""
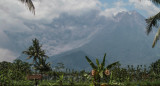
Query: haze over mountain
{"points": [[64, 33], [122, 37]]}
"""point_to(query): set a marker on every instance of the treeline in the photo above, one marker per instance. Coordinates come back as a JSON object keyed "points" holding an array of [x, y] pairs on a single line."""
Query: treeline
{"points": [[18, 71], [15, 73]]}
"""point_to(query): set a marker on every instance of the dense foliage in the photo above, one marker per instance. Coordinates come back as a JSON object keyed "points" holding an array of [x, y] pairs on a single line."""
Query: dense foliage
{"points": [[16, 72]]}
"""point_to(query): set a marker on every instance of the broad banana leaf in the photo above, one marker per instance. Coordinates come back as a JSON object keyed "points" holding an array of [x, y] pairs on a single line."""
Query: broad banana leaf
{"points": [[101, 74], [103, 62], [97, 61], [112, 65], [91, 63]]}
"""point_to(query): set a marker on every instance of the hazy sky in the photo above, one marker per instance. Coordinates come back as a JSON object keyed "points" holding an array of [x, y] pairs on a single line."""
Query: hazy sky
{"points": [[15, 15]]}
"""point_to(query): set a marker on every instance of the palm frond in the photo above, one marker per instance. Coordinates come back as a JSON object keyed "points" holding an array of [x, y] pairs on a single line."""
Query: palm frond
{"points": [[29, 4], [91, 63], [152, 22], [156, 38], [29, 57], [46, 56], [156, 2], [25, 52]]}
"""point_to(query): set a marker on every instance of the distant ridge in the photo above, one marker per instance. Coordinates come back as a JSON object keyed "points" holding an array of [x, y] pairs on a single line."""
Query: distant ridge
{"points": [[123, 39]]}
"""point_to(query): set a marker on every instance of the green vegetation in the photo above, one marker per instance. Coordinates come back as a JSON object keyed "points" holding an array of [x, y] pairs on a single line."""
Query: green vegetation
{"points": [[16, 73], [29, 4], [100, 71], [153, 22], [39, 57]]}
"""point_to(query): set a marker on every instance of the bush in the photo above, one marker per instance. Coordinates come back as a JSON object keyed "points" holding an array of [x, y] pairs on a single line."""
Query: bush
{"points": [[145, 83]]}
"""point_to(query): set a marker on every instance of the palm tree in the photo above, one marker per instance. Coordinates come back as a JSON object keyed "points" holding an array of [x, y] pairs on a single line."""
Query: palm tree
{"points": [[35, 51], [153, 22], [29, 4], [42, 66]]}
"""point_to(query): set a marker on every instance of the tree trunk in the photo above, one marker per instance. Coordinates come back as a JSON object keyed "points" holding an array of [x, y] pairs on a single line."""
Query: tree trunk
{"points": [[99, 80]]}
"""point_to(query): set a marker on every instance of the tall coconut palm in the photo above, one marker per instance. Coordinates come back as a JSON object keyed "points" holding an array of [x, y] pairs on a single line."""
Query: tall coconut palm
{"points": [[35, 51], [153, 22], [29, 4]]}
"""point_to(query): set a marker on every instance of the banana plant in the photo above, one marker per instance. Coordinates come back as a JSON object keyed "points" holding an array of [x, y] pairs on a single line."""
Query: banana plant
{"points": [[99, 69], [71, 81], [60, 80], [110, 66]]}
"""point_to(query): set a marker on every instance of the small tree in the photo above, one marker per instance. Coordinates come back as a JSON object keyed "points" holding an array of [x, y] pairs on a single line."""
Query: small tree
{"points": [[39, 57], [60, 80], [99, 70]]}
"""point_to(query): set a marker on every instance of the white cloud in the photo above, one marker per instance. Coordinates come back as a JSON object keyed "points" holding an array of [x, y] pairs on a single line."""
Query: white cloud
{"points": [[7, 55], [9, 16], [145, 5], [117, 7], [120, 4], [109, 13], [46, 10], [49, 9], [14, 14]]}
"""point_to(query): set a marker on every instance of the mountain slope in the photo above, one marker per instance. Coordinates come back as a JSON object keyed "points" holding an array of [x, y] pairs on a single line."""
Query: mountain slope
{"points": [[123, 39], [75, 60]]}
